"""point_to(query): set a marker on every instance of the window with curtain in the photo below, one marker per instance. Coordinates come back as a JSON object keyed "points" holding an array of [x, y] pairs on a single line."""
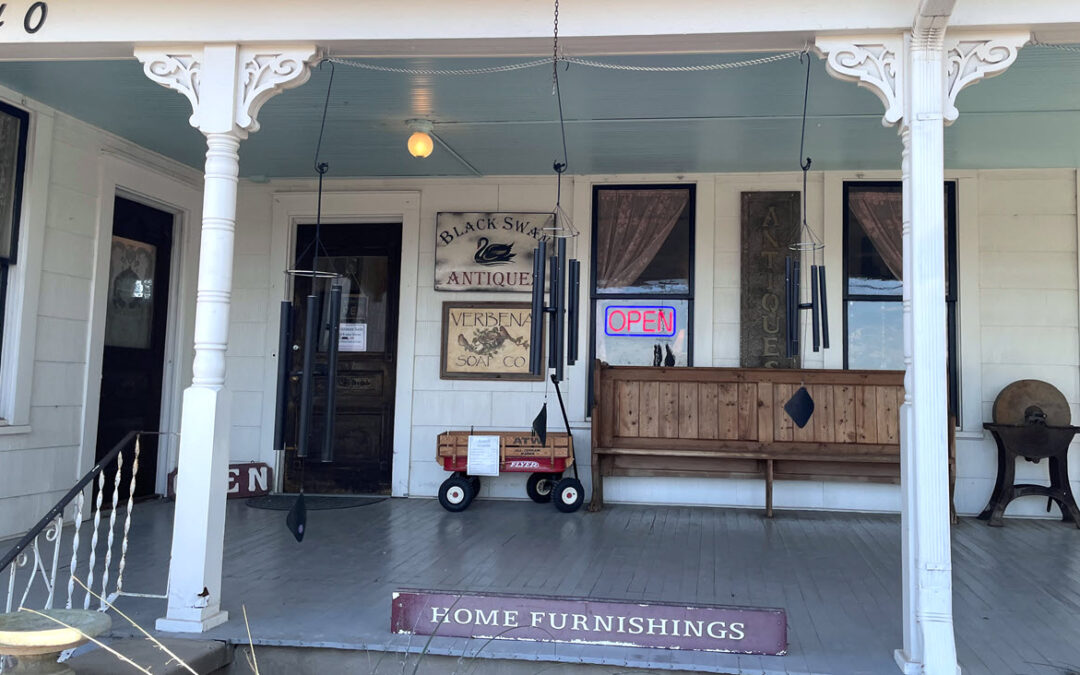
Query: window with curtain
{"points": [[873, 279], [14, 126], [643, 283]]}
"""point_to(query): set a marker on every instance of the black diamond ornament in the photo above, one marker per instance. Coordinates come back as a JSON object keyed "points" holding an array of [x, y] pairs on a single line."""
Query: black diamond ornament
{"points": [[296, 521], [800, 407], [539, 425]]}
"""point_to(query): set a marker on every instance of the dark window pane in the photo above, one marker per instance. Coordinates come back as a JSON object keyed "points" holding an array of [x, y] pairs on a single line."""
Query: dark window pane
{"points": [[874, 246], [643, 240]]}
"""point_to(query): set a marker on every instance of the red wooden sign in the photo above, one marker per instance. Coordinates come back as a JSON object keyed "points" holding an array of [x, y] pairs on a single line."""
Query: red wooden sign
{"points": [[739, 630]]}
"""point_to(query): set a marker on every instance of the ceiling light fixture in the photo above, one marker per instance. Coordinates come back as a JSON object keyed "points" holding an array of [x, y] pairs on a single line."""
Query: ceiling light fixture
{"points": [[420, 143]]}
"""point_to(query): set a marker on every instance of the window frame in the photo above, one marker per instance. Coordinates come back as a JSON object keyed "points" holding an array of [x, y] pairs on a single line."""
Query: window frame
{"points": [[18, 190], [952, 293], [595, 296]]}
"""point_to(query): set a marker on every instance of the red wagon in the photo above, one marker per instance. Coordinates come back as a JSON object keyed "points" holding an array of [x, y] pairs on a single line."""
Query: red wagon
{"points": [[520, 452]]}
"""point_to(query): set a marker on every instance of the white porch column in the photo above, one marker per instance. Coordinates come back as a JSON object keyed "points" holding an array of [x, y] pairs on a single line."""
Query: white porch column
{"points": [[917, 76], [226, 84]]}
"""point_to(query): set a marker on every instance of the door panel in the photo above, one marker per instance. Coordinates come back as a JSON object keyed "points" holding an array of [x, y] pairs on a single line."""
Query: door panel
{"points": [[367, 260], [136, 319]]}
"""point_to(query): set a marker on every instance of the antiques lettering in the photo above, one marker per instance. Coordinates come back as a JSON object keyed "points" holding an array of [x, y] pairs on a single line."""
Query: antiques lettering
{"points": [[488, 251]]}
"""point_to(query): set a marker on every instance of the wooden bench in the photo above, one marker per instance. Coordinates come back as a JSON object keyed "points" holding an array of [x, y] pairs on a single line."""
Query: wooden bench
{"points": [[730, 422]]}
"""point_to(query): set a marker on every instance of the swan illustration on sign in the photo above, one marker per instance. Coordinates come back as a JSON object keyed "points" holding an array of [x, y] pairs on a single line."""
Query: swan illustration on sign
{"points": [[492, 253]]}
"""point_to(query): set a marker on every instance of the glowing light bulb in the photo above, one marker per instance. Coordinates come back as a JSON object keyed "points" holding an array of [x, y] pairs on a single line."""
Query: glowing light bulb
{"points": [[420, 144]]}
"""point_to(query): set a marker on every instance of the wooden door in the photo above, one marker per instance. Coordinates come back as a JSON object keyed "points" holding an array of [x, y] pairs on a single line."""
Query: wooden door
{"points": [[367, 258], [136, 319]]}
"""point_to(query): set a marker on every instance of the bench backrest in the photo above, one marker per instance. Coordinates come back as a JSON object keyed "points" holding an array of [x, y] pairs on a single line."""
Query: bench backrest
{"points": [[744, 404]]}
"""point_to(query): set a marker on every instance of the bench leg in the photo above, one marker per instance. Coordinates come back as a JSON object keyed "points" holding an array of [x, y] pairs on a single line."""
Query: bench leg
{"points": [[768, 487], [597, 502]]}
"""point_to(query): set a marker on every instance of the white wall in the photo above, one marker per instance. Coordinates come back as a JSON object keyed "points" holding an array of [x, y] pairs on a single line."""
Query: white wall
{"points": [[45, 452]]}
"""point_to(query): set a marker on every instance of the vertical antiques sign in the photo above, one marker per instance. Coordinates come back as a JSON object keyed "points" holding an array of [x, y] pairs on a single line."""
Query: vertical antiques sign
{"points": [[486, 341], [489, 251], [770, 225]]}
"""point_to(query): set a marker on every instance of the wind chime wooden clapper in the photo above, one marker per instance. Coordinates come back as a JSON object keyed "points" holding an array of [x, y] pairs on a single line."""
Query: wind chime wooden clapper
{"points": [[801, 405], [317, 324]]}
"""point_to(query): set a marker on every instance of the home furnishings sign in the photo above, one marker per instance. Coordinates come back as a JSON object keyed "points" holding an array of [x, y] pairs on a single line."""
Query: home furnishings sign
{"points": [[488, 251], [584, 621]]}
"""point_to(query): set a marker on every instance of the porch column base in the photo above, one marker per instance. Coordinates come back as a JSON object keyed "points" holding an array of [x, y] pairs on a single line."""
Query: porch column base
{"points": [[909, 667], [193, 625]]}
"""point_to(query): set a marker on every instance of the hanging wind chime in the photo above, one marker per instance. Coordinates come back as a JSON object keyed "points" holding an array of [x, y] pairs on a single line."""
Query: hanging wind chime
{"points": [[315, 324], [801, 405], [562, 307]]}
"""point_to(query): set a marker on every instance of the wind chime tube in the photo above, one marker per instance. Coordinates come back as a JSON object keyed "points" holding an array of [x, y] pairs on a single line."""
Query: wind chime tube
{"points": [[573, 312], [824, 309], [553, 320], [311, 330], [283, 356], [559, 282], [796, 294], [536, 321], [334, 326], [790, 312], [816, 329]]}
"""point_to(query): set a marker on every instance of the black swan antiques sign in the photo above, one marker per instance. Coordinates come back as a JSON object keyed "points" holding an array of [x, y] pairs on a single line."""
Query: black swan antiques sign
{"points": [[490, 251]]}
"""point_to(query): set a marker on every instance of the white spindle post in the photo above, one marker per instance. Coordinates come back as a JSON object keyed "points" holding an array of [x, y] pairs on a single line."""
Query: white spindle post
{"points": [[226, 85]]}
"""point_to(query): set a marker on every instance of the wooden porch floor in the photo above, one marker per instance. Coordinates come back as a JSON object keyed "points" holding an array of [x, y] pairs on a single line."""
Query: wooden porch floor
{"points": [[1016, 598]]}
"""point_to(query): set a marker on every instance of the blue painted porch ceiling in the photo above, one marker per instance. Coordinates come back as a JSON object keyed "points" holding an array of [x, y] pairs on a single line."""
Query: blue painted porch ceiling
{"points": [[617, 121]]}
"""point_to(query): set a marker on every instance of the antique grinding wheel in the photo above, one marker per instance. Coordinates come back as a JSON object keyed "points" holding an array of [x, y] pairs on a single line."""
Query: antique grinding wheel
{"points": [[1032, 420], [1014, 400]]}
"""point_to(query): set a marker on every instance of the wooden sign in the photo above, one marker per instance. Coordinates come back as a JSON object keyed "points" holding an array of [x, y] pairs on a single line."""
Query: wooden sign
{"points": [[586, 621], [770, 224], [486, 341], [250, 479], [488, 251]]}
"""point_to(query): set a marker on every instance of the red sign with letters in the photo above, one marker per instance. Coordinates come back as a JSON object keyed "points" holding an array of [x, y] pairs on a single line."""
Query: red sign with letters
{"points": [[250, 479]]}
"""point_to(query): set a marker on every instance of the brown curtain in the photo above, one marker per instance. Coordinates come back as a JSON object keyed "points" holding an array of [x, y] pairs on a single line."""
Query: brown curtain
{"points": [[881, 215], [631, 226]]}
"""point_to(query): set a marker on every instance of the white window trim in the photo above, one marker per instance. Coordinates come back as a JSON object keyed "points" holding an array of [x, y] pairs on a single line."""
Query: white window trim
{"points": [[24, 277]]}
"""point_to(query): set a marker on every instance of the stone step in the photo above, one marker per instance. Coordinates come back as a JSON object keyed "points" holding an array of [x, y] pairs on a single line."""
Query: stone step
{"points": [[206, 657]]}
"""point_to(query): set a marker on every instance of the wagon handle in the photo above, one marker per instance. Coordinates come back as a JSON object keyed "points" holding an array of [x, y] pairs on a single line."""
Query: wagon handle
{"points": [[566, 421]]}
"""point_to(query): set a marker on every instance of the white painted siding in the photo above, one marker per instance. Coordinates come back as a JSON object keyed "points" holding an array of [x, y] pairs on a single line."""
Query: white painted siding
{"points": [[40, 461]]}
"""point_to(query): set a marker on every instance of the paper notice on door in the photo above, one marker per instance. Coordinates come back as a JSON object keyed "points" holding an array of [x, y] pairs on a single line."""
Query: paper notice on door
{"points": [[353, 337], [483, 456]]}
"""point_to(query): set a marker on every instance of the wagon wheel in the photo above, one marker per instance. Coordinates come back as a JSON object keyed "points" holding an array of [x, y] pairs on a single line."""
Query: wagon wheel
{"points": [[456, 493], [539, 486], [569, 495], [475, 482]]}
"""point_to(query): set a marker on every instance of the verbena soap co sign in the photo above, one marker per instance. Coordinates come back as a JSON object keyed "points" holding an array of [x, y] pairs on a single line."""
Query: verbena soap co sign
{"points": [[600, 622], [490, 251]]}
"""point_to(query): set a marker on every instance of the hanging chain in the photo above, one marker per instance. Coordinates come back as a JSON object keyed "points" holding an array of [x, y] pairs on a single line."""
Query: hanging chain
{"points": [[555, 48], [589, 63]]}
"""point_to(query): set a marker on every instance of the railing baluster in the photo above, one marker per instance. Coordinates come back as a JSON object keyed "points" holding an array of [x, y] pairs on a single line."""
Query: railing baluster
{"points": [[33, 573], [11, 585], [112, 528], [127, 519], [94, 538], [58, 529], [75, 548]]}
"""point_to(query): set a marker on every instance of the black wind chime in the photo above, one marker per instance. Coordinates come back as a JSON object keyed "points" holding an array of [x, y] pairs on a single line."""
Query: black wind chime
{"points": [[563, 277], [801, 405], [317, 324]]}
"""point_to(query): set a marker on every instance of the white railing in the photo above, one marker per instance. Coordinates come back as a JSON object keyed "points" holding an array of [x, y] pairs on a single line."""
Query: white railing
{"points": [[33, 565]]}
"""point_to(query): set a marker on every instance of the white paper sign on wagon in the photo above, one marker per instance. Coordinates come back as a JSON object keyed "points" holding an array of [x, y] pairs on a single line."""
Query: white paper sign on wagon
{"points": [[352, 337], [483, 456]]}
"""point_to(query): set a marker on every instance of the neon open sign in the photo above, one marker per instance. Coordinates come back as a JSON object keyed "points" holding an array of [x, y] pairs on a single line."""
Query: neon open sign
{"points": [[639, 321]]}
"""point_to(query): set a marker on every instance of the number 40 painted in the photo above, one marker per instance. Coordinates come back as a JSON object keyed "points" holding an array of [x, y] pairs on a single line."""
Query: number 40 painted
{"points": [[34, 18]]}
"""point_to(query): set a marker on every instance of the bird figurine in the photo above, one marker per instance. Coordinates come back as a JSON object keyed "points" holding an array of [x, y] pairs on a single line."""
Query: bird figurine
{"points": [[669, 360], [657, 355], [492, 253]]}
